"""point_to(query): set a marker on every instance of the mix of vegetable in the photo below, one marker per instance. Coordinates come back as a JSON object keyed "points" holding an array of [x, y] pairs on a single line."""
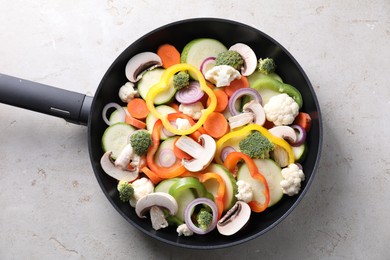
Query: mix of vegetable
{"points": [[204, 137]]}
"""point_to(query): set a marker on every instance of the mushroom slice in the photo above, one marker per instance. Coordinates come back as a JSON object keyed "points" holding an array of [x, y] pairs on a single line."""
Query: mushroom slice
{"points": [[249, 56], [240, 119], [286, 132], [280, 156], [158, 218], [202, 154], [124, 158], [139, 63], [258, 111], [117, 172], [160, 199], [234, 219]]}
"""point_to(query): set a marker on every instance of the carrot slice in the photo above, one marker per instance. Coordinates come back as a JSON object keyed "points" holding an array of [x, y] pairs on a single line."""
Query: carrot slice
{"points": [[236, 84], [137, 108], [174, 106], [195, 135], [169, 55], [135, 122], [216, 125], [179, 153], [304, 120], [151, 175], [222, 100]]}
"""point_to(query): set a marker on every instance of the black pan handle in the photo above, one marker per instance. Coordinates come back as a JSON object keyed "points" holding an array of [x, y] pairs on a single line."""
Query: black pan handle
{"points": [[71, 106]]}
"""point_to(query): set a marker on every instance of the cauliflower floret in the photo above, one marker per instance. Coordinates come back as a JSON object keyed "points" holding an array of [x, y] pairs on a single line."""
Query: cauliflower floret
{"points": [[193, 110], [292, 178], [222, 75], [182, 124], [281, 109], [184, 230], [142, 187], [127, 92], [244, 191]]}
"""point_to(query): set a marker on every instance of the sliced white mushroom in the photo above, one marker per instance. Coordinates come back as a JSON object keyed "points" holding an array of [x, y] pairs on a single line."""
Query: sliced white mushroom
{"points": [[202, 153], [158, 218], [280, 156], [235, 219], [249, 56], [141, 62], [241, 119], [258, 111], [286, 132], [117, 172], [125, 156], [160, 199]]}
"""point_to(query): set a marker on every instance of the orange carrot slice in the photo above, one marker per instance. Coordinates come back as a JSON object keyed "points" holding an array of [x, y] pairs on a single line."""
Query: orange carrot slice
{"points": [[137, 108], [216, 125], [236, 84], [169, 55], [151, 175], [135, 122], [174, 106], [222, 100]]}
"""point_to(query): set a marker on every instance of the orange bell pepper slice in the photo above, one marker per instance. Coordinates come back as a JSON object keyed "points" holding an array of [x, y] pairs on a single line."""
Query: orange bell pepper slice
{"points": [[231, 162], [162, 172]]}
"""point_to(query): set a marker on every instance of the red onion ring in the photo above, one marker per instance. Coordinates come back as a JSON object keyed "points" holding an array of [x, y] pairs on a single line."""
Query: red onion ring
{"points": [[225, 151], [166, 158], [167, 132], [188, 212], [240, 93], [122, 112], [190, 94], [301, 135], [299, 166], [206, 63]]}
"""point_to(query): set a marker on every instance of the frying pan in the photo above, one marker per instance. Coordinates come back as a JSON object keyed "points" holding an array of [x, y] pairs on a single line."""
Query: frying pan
{"points": [[82, 109]]}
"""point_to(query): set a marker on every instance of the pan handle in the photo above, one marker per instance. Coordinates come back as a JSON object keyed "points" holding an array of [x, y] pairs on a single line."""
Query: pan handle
{"points": [[71, 106]]}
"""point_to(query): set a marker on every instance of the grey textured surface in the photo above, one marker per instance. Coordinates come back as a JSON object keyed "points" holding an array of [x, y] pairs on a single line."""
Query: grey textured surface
{"points": [[51, 206]]}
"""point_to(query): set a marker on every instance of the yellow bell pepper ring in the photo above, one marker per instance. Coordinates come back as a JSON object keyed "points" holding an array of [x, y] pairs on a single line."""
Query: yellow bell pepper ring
{"points": [[244, 131], [163, 85]]}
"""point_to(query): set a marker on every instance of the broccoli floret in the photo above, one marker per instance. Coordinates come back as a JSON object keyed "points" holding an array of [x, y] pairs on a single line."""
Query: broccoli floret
{"points": [[140, 141], [256, 145], [126, 191], [231, 58], [266, 66], [204, 219], [181, 80]]}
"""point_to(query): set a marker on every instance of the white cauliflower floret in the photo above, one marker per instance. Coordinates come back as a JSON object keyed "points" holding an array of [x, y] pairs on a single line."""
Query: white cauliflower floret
{"points": [[184, 230], [193, 110], [222, 75], [244, 191], [127, 92], [182, 124], [281, 109], [292, 178], [142, 187]]}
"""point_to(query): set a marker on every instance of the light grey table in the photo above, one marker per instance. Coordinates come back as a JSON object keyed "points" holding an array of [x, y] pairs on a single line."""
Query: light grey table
{"points": [[51, 206]]}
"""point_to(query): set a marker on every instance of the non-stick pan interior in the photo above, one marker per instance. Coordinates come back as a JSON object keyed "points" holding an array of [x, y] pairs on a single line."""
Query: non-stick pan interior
{"points": [[229, 33]]}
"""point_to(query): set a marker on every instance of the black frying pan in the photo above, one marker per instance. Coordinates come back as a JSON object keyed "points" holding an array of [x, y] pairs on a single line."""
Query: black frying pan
{"points": [[78, 108]]}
